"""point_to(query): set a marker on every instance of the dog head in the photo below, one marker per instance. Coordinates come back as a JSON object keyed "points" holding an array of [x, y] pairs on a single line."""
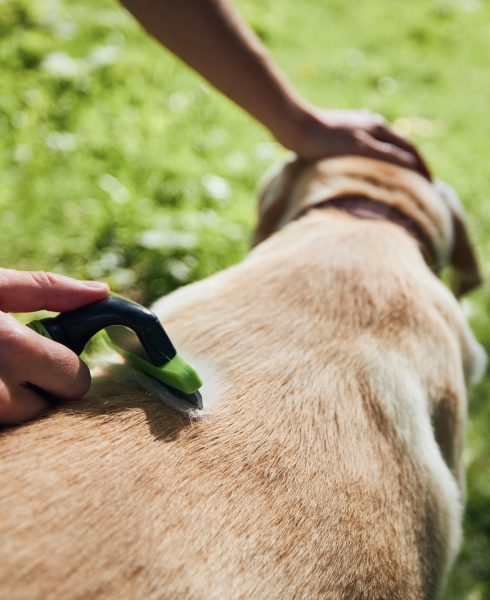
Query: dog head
{"points": [[296, 186]]}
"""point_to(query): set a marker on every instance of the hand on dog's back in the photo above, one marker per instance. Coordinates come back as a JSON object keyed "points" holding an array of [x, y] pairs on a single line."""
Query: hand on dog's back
{"points": [[327, 134]]}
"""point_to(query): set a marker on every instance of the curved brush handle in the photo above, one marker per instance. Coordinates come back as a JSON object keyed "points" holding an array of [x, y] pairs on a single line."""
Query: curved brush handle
{"points": [[75, 328]]}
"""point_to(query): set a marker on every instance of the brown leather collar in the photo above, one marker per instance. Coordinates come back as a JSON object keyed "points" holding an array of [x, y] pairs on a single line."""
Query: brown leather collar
{"points": [[364, 207]]}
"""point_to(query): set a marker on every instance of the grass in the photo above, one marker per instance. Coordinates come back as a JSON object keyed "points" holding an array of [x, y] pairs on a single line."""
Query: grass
{"points": [[119, 163]]}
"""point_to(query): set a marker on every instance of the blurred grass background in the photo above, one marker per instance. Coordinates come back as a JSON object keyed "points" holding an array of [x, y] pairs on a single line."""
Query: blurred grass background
{"points": [[118, 163]]}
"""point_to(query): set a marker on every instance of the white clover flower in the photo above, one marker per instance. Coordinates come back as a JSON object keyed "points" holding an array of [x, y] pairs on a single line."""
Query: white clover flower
{"points": [[236, 162], [62, 65], [116, 190], [101, 56], [178, 269], [216, 187], [167, 239], [178, 102], [61, 141]]}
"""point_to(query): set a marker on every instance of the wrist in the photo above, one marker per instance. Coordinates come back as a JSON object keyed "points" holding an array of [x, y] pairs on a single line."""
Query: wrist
{"points": [[297, 127]]}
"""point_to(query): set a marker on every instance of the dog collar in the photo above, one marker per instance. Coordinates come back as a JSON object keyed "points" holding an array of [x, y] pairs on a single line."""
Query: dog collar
{"points": [[364, 207]]}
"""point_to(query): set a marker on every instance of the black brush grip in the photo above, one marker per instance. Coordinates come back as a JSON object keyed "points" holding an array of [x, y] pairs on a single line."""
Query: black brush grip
{"points": [[75, 328]]}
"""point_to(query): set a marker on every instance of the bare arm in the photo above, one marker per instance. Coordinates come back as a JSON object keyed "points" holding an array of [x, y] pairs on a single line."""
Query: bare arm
{"points": [[210, 37]]}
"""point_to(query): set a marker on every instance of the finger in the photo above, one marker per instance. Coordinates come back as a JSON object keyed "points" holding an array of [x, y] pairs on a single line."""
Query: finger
{"points": [[22, 291], [371, 120], [55, 368], [27, 357], [385, 134], [20, 404], [373, 148]]}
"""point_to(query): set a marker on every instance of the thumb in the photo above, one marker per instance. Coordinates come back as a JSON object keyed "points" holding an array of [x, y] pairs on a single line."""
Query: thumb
{"points": [[25, 291]]}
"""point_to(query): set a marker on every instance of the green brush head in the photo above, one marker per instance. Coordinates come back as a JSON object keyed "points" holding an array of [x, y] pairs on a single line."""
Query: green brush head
{"points": [[177, 373], [150, 351]]}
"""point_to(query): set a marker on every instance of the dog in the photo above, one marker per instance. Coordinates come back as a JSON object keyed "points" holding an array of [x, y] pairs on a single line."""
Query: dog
{"points": [[327, 461]]}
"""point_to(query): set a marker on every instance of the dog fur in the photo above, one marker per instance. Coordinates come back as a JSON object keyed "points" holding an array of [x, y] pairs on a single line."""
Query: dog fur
{"points": [[327, 463]]}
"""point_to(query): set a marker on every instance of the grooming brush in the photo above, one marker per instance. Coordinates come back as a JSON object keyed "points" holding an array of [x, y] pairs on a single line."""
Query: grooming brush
{"points": [[152, 355]]}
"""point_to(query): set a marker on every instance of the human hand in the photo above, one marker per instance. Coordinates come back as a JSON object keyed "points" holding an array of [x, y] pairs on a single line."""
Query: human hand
{"points": [[329, 133], [27, 357]]}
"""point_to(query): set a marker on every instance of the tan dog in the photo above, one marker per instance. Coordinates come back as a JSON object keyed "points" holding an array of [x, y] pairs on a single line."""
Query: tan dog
{"points": [[328, 461]]}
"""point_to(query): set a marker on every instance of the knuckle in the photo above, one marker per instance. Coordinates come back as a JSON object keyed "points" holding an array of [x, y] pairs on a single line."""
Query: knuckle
{"points": [[63, 372], [362, 142], [13, 337], [43, 279], [359, 136]]}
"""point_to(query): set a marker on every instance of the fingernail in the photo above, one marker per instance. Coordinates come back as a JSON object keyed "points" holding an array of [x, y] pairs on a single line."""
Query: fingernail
{"points": [[96, 285]]}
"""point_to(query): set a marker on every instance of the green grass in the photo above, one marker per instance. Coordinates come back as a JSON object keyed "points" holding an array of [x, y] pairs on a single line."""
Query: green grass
{"points": [[119, 163]]}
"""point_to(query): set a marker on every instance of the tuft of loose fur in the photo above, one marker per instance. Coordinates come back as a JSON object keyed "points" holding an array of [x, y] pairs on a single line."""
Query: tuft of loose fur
{"points": [[327, 463]]}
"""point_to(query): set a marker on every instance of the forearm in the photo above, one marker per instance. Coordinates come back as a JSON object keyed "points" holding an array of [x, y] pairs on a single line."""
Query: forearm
{"points": [[210, 37]]}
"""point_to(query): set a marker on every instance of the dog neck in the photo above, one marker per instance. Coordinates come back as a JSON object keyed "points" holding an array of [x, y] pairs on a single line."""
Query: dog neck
{"points": [[364, 207]]}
